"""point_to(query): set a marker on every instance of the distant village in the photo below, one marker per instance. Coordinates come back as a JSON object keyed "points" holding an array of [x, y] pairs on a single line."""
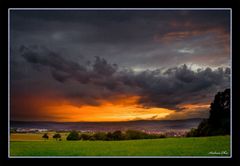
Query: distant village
{"points": [[169, 133]]}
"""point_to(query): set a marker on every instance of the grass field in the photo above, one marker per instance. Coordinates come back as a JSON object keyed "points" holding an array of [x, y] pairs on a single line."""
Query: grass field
{"points": [[202, 146]]}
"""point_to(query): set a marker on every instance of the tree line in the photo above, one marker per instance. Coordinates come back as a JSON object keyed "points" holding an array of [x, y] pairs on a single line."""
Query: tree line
{"points": [[111, 136], [107, 136]]}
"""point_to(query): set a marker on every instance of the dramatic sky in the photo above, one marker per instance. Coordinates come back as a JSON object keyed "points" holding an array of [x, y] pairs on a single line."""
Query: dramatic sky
{"points": [[117, 65]]}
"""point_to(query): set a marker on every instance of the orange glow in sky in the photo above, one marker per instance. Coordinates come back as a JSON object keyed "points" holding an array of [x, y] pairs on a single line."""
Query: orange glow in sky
{"points": [[119, 108], [123, 109]]}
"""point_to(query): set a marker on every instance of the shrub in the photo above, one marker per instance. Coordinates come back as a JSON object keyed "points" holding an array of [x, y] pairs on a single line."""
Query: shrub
{"points": [[73, 135], [92, 138], [134, 134], [161, 136], [85, 137], [45, 136], [100, 136], [57, 136], [117, 135], [192, 133], [109, 136]]}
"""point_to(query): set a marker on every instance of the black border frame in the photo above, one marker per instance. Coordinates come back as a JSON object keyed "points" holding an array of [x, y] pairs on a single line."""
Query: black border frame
{"points": [[4, 6]]}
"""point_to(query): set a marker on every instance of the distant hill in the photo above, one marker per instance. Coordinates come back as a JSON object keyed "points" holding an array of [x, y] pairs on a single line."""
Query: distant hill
{"points": [[146, 125]]}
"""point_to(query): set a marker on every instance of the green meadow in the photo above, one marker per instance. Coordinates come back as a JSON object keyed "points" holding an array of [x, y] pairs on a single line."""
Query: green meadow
{"points": [[191, 146]]}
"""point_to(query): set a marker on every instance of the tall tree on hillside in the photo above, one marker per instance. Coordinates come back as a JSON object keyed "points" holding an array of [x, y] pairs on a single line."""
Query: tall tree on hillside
{"points": [[218, 122], [220, 113]]}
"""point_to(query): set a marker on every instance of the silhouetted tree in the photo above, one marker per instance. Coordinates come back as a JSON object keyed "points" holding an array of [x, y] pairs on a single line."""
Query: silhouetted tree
{"points": [[109, 136], [57, 136], [220, 113], [218, 122], [100, 136], [135, 134], [117, 135], [85, 137], [45, 136], [73, 135]]}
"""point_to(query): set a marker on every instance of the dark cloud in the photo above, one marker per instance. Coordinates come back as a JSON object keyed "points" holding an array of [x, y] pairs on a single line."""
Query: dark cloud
{"points": [[85, 56], [129, 37], [100, 73], [60, 76], [181, 85], [44, 57], [102, 67], [166, 88]]}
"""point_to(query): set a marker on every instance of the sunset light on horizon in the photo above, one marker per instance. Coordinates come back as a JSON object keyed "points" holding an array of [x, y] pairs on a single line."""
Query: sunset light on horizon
{"points": [[122, 109]]}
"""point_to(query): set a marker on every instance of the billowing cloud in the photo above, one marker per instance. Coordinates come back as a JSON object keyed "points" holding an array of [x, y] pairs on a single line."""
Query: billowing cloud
{"points": [[168, 88]]}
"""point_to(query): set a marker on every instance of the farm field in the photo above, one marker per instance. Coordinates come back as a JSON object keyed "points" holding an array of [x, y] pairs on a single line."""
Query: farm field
{"points": [[20, 145], [34, 136]]}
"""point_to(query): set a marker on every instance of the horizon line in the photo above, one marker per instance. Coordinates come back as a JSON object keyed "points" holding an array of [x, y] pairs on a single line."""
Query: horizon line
{"points": [[104, 121]]}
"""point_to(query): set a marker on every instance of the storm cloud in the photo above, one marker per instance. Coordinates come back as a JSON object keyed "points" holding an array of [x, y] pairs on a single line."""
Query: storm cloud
{"points": [[140, 39], [164, 88], [167, 58]]}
